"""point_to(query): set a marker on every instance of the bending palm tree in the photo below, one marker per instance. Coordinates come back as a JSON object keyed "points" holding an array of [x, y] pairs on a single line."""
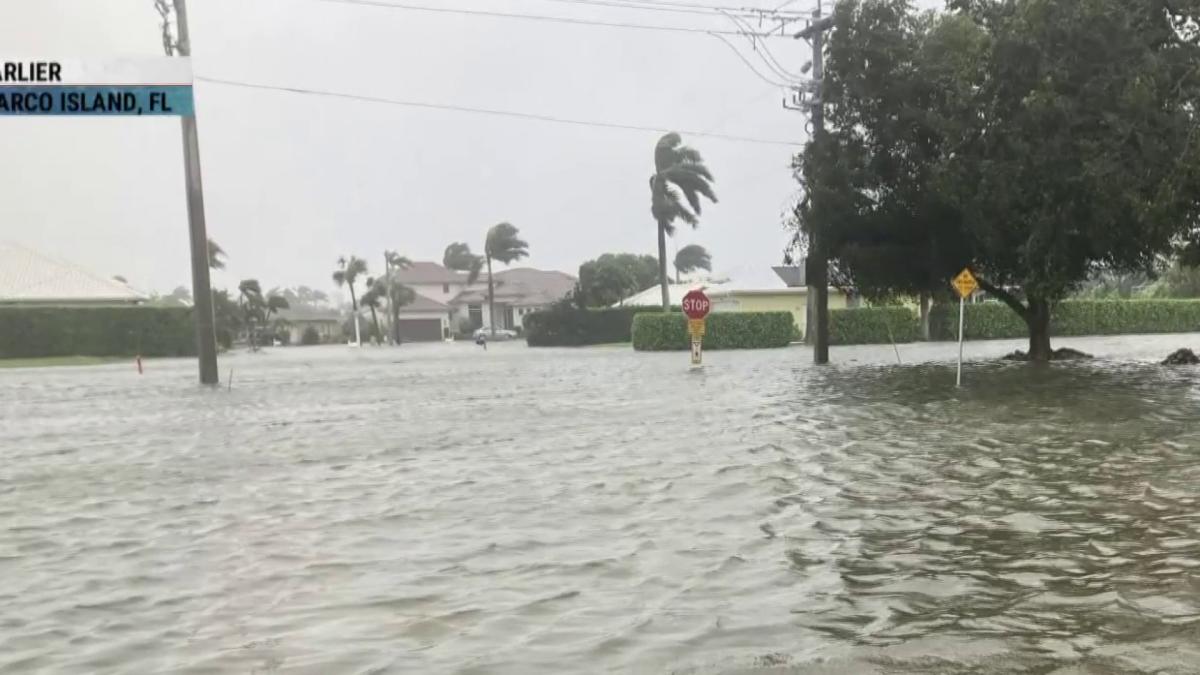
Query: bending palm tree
{"points": [[376, 288], [391, 289], [691, 258], [458, 257], [679, 175], [347, 273], [503, 245], [251, 300]]}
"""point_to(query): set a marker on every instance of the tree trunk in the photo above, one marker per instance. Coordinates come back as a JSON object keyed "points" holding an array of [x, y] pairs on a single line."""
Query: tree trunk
{"points": [[375, 321], [1038, 320], [354, 307], [926, 307], [491, 298], [662, 266], [395, 310], [677, 276]]}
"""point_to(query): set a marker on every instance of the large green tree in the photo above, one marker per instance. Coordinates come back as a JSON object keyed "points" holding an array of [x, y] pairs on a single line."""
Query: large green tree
{"points": [[347, 273], [504, 245], [1031, 140], [691, 258], [612, 277], [679, 176]]}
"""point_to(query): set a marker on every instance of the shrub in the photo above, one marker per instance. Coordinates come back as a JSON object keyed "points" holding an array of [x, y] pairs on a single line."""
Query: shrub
{"points": [[656, 331], [994, 320], [873, 325], [310, 336], [566, 325], [33, 332]]}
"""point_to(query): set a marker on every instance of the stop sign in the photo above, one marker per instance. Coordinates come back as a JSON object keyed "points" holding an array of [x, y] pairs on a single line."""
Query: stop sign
{"points": [[696, 305]]}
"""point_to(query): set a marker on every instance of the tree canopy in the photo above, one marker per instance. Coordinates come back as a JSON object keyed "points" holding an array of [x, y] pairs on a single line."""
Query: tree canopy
{"points": [[458, 257], [691, 258], [1031, 140], [613, 277], [680, 179]]}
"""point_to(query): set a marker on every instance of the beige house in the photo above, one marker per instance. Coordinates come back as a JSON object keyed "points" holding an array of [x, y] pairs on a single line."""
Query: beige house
{"points": [[30, 279], [446, 304], [326, 322], [758, 293]]}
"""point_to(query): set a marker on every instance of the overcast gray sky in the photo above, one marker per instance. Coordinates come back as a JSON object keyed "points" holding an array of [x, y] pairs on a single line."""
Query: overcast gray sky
{"points": [[293, 181]]}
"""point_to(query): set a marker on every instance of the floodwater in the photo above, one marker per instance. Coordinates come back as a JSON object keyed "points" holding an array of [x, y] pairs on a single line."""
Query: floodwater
{"points": [[442, 509]]}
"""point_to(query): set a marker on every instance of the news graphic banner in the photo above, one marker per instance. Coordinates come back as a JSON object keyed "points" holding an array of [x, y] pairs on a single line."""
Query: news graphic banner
{"points": [[89, 87]]}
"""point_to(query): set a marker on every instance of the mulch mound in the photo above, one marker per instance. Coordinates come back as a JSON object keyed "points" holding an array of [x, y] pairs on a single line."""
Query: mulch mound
{"points": [[1182, 357], [1062, 354]]}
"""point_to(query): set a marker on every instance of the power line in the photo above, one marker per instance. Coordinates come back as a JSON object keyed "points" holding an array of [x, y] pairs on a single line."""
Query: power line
{"points": [[664, 6], [488, 111], [746, 61], [528, 17]]}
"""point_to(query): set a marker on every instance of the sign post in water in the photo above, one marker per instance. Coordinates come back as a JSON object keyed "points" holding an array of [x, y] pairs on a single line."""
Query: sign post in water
{"points": [[696, 306], [964, 284]]}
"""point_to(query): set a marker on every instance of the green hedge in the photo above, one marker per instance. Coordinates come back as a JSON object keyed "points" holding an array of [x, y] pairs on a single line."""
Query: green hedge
{"points": [[995, 321], [873, 325], [565, 325], [724, 330], [32, 332]]}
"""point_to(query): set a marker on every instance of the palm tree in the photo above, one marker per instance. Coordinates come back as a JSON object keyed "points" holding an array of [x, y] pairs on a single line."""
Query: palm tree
{"points": [[347, 273], [504, 245], [396, 291], [691, 258], [251, 301], [679, 176], [216, 255], [458, 257], [376, 290]]}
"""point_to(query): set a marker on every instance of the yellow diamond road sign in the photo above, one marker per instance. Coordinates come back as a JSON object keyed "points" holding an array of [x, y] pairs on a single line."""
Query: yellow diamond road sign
{"points": [[965, 284], [696, 327]]}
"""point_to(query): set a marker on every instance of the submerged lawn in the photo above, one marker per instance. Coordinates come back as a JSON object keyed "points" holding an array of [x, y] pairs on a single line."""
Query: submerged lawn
{"points": [[52, 361]]}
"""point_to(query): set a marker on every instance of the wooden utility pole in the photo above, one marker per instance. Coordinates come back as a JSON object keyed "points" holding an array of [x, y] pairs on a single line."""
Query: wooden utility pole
{"points": [[206, 334], [817, 264]]}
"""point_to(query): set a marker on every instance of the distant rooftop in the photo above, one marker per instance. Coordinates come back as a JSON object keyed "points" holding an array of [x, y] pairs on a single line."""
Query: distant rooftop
{"points": [[522, 286], [29, 277], [425, 272]]}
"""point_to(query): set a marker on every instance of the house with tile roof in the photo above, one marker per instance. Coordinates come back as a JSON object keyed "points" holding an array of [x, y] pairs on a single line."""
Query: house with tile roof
{"points": [[29, 278], [447, 304]]}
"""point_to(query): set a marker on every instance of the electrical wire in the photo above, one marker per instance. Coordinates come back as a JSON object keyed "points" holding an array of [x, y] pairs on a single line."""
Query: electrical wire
{"points": [[664, 6], [764, 52], [639, 7], [746, 61], [488, 111], [528, 17]]}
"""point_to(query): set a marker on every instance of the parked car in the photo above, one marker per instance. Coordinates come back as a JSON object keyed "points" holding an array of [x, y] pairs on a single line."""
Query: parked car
{"points": [[501, 334]]}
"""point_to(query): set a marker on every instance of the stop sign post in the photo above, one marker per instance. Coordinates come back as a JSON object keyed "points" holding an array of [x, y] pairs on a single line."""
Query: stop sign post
{"points": [[696, 306]]}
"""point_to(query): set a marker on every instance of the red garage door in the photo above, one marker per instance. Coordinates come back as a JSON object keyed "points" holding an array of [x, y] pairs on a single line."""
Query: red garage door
{"points": [[420, 330]]}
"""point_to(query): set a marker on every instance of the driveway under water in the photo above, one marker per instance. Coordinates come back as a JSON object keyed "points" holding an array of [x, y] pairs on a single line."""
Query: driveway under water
{"points": [[439, 508]]}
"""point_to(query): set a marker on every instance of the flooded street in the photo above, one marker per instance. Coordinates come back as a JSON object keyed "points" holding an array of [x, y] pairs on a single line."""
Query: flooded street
{"points": [[441, 509]]}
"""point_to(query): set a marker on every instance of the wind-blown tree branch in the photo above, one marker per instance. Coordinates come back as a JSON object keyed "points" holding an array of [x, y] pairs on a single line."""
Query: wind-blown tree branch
{"points": [[1010, 137], [348, 271], [504, 245], [458, 257], [216, 255], [691, 258], [679, 176]]}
